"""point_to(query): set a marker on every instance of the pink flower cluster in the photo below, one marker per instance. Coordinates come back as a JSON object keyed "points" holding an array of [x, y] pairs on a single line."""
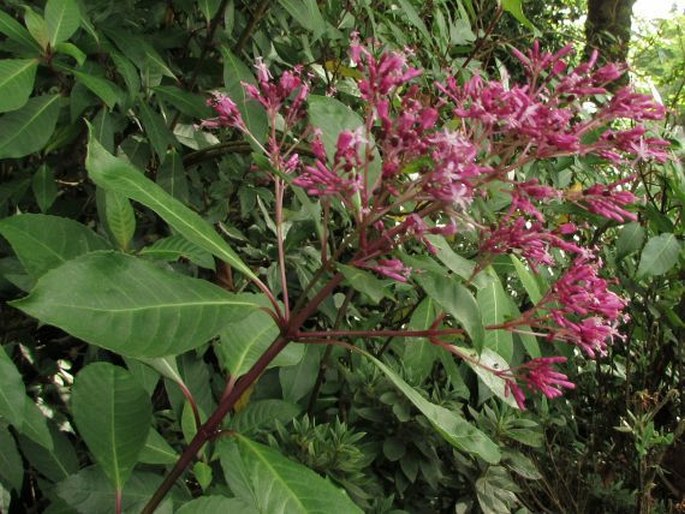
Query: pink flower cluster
{"points": [[536, 375]]}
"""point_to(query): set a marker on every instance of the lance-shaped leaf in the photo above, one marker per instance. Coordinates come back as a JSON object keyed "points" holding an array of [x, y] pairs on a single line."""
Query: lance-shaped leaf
{"points": [[27, 130], [117, 175], [112, 413], [16, 82], [16, 32], [483, 364], [131, 306], [453, 428], [63, 19], [12, 392], [659, 255], [43, 242], [270, 482], [494, 307]]}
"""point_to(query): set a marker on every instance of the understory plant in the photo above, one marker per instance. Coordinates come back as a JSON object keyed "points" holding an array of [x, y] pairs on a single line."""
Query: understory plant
{"points": [[415, 226]]}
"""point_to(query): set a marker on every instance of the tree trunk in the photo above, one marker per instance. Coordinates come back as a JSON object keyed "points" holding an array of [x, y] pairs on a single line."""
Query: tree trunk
{"points": [[607, 29]]}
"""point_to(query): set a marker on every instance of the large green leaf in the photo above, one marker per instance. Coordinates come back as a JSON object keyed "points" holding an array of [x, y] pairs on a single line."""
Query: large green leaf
{"points": [[157, 132], [55, 463], [263, 414], [451, 426], [157, 450], [11, 466], [171, 176], [493, 302], [14, 31], [12, 391], [270, 482], [112, 413], [175, 247], [43, 242], [214, 504], [111, 173], [35, 425], [27, 130], [457, 300], [120, 218], [16, 82], [245, 340], [190, 104], [131, 306], [630, 239], [365, 282], [106, 90], [492, 360], [307, 14], [236, 72], [459, 265], [530, 283], [659, 255], [63, 18], [419, 354]]}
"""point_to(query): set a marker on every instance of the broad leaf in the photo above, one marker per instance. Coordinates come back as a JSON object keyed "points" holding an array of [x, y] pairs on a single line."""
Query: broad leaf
{"points": [[530, 283], [120, 218], [63, 19], [175, 247], [492, 360], [37, 27], [27, 130], [263, 414], [111, 173], [131, 306], [307, 14], [245, 340], [659, 255], [157, 132], [171, 176], [12, 392], [157, 450], [104, 89], [14, 31], [11, 466], [493, 302], [56, 463], [214, 504], [43, 242], [270, 482], [419, 354], [630, 239], [451, 426], [112, 413], [190, 104], [458, 301], [44, 187], [365, 282], [35, 425], [16, 82], [462, 267], [515, 8]]}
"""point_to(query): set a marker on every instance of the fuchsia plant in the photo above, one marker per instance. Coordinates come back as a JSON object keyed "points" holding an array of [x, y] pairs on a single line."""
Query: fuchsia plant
{"points": [[477, 133], [415, 168]]}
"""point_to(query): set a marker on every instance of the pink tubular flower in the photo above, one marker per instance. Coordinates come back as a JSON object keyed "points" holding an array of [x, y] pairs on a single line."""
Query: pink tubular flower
{"points": [[608, 201], [391, 268], [537, 375], [229, 115]]}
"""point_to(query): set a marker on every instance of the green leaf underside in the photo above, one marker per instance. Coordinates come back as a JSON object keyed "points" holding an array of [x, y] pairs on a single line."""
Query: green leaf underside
{"points": [[493, 360], [16, 82], [112, 413], [43, 242], [451, 426], [493, 302], [12, 391], [132, 307], [27, 130], [63, 19], [111, 173], [659, 255], [175, 247], [270, 482]]}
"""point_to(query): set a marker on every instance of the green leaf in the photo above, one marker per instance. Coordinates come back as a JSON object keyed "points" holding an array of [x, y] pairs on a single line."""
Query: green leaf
{"points": [[530, 283], [157, 450], [104, 89], [171, 176], [56, 463], [270, 482], [157, 132], [37, 27], [263, 414], [214, 504], [112, 413], [11, 466], [35, 425], [120, 218], [245, 340], [128, 72], [493, 360], [254, 115], [28, 130], [111, 173], [460, 266], [458, 301], [12, 391], [419, 354], [132, 307], [208, 8], [630, 239], [176, 247], [307, 14], [190, 104], [14, 31], [493, 302], [89, 492], [16, 82], [63, 19], [365, 282], [659, 255], [71, 50], [44, 187], [413, 17], [450, 425], [43, 242], [515, 8]]}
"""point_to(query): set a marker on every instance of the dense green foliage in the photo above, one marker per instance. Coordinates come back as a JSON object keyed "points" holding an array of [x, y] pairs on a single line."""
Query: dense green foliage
{"points": [[132, 234]]}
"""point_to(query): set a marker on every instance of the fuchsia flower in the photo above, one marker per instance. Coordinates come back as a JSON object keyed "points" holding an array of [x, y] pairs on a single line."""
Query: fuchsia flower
{"points": [[537, 375], [229, 115], [608, 201], [391, 268]]}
